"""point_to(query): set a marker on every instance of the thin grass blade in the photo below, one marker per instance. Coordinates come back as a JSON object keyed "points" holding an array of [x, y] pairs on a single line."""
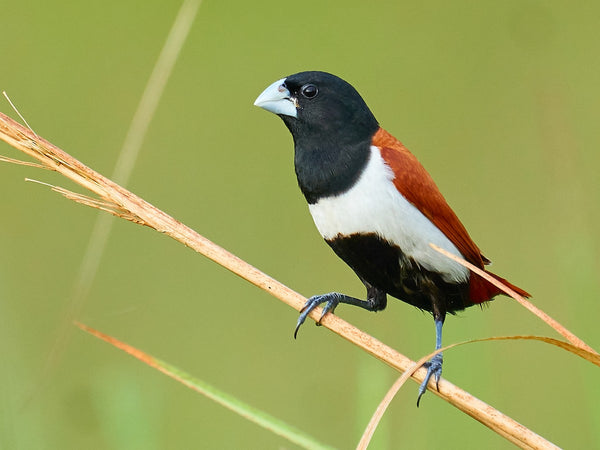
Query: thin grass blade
{"points": [[257, 416]]}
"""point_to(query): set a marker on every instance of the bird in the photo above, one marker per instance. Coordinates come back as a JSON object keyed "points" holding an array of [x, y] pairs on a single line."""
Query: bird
{"points": [[376, 206]]}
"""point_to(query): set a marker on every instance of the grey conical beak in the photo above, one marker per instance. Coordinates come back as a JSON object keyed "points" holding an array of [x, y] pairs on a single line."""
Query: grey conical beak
{"points": [[277, 99]]}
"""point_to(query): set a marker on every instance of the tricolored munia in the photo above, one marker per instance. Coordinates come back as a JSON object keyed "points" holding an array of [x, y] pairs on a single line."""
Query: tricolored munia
{"points": [[375, 205]]}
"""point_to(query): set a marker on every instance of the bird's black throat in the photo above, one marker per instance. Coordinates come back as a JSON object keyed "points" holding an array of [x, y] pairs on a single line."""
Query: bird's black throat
{"points": [[328, 158], [328, 168]]}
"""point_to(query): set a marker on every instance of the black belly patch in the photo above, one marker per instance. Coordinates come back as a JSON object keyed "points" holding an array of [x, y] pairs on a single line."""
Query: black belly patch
{"points": [[387, 268]]}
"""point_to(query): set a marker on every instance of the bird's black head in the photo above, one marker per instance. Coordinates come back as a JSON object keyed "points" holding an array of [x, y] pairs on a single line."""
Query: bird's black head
{"points": [[332, 129], [319, 106]]}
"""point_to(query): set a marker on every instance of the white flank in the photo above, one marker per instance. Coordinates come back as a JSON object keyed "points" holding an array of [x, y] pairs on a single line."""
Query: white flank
{"points": [[374, 205]]}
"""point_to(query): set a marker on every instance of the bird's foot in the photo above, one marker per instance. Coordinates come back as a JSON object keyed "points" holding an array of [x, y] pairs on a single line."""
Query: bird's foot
{"points": [[434, 368], [331, 300]]}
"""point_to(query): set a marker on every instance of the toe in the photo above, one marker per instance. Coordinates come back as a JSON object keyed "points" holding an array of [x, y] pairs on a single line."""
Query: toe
{"points": [[310, 304], [434, 368], [331, 300]]}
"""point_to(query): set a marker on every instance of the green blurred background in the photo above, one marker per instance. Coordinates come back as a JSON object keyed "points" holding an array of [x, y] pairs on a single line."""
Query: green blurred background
{"points": [[499, 100]]}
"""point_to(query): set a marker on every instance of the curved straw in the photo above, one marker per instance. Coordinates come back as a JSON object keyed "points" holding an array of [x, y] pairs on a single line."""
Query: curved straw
{"points": [[525, 303]]}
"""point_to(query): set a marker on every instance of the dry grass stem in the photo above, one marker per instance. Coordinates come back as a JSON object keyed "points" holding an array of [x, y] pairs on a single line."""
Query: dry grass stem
{"points": [[572, 338], [54, 158], [21, 163], [102, 205]]}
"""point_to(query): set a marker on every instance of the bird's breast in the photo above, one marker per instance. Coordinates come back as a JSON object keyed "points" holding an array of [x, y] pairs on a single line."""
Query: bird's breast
{"points": [[374, 205]]}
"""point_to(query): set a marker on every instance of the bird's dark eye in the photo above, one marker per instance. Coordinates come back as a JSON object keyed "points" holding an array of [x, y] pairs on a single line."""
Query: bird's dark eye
{"points": [[309, 90]]}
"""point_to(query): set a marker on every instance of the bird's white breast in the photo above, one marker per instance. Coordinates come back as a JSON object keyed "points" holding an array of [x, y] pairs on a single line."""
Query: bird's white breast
{"points": [[374, 205]]}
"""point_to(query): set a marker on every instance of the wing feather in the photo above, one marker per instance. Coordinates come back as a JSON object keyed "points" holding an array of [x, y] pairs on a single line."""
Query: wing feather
{"points": [[417, 186]]}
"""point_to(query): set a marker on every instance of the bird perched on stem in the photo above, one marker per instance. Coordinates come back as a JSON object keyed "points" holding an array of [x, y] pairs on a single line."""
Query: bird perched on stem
{"points": [[376, 206]]}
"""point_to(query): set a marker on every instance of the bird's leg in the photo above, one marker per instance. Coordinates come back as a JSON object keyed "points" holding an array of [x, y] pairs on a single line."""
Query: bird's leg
{"points": [[434, 366], [376, 301]]}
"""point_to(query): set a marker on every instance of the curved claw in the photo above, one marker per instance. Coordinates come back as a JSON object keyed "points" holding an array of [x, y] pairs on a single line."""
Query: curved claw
{"points": [[332, 299], [434, 367]]}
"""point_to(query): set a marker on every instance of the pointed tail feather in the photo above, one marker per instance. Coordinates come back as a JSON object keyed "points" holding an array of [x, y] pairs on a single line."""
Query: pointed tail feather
{"points": [[481, 290]]}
